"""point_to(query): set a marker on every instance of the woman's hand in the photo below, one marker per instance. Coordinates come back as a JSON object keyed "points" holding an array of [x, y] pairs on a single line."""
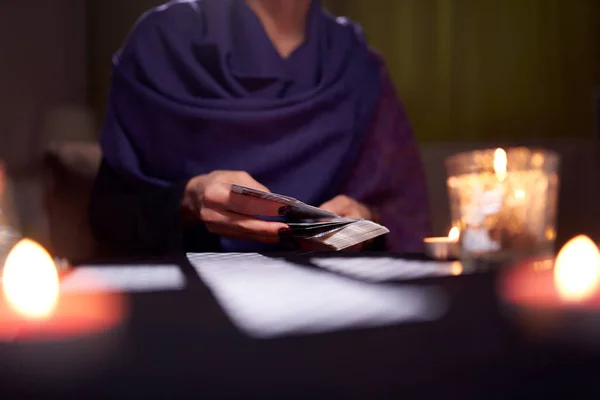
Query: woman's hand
{"points": [[347, 207], [209, 198]]}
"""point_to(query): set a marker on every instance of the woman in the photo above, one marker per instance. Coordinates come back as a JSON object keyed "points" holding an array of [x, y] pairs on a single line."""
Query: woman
{"points": [[271, 94]]}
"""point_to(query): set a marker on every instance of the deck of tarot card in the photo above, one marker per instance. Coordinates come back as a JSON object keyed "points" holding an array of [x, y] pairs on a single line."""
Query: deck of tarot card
{"points": [[316, 228]]}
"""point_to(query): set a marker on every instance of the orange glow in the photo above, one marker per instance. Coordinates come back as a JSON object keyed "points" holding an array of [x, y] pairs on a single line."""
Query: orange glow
{"points": [[456, 268], [500, 163], [34, 309], [519, 194], [577, 269], [30, 280], [454, 234]]}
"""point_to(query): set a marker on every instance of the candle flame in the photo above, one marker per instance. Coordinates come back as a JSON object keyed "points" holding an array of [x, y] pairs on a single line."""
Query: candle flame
{"points": [[500, 163], [519, 194], [30, 280], [577, 269], [456, 268], [454, 234]]}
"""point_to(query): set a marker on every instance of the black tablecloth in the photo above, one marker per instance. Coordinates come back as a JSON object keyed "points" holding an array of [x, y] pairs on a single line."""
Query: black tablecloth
{"points": [[181, 344]]}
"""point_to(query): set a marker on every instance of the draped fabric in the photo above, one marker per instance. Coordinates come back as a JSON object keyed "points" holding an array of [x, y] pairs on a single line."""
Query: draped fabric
{"points": [[198, 86]]}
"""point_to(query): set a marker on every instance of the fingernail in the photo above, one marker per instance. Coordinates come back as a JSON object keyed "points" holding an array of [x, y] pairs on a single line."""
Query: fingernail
{"points": [[284, 230], [285, 210]]}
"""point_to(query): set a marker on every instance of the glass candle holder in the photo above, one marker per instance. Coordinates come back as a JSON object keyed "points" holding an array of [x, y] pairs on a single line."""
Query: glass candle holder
{"points": [[504, 202]]}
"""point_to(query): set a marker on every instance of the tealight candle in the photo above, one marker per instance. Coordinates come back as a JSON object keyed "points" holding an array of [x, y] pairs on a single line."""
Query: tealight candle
{"points": [[442, 248], [72, 330], [558, 297]]}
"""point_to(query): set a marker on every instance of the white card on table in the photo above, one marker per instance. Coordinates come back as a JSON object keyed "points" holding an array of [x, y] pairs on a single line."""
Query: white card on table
{"points": [[383, 269], [125, 278], [268, 297]]}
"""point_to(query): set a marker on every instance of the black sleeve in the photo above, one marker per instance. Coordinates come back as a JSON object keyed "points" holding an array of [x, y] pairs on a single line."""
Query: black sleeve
{"points": [[138, 219]]}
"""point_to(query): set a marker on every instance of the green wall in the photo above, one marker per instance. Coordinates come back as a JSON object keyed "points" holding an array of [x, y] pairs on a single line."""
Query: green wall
{"points": [[488, 69], [466, 69]]}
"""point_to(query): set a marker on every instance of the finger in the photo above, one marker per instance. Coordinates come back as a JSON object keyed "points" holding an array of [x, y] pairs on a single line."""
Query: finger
{"points": [[355, 214], [241, 178], [347, 207], [242, 224], [252, 205], [331, 205], [220, 196], [340, 205]]}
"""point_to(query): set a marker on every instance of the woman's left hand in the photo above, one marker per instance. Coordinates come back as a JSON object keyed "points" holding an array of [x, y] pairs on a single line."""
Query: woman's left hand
{"points": [[347, 207]]}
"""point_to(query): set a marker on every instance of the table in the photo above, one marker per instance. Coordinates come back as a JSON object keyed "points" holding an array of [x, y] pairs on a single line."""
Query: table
{"points": [[180, 344]]}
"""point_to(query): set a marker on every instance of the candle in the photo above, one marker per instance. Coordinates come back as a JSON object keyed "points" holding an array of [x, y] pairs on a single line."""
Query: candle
{"points": [[557, 297], [32, 307], [75, 331], [504, 202], [442, 248], [30, 281], [577, 270]]}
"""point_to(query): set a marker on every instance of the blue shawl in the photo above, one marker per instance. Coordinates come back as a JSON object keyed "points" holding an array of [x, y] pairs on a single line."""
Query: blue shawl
{"points": [[198, 86]]}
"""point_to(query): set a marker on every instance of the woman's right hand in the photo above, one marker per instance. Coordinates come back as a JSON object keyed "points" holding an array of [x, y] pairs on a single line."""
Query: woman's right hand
{"points": [[209, 198]]}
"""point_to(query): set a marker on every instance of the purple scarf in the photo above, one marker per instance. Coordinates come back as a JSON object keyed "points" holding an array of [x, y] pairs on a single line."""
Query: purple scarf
{"points": [[198, 86]]}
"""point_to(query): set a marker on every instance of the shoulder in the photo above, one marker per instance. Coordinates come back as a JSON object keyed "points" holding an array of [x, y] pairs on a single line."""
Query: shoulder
{"points": [[343, 23], [172, 12], [173, 17], [354, 29]]}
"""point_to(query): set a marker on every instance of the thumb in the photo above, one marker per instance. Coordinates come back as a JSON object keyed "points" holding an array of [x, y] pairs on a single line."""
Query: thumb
{"points": [[333, 205], [245, 179]]}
